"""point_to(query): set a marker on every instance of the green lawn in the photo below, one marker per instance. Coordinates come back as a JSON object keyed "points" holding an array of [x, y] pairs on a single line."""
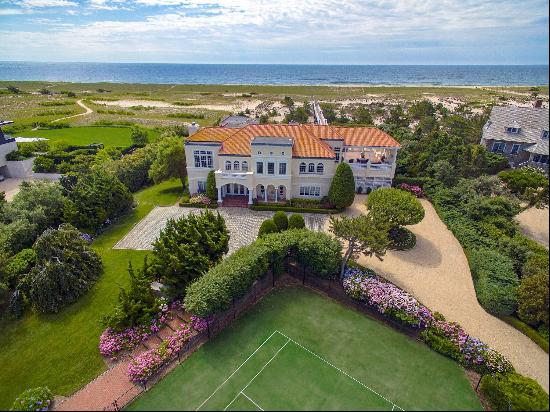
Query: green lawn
{"points": [[109, 136], [61, 351], [298, 376]]}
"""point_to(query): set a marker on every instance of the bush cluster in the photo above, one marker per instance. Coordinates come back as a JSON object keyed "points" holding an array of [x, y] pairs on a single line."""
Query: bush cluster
{"points": [[514, 392], [232, 278]]}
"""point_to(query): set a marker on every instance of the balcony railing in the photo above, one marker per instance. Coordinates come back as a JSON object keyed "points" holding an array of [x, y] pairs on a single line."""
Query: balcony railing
{"points": [[232, 175], [374, 166]]}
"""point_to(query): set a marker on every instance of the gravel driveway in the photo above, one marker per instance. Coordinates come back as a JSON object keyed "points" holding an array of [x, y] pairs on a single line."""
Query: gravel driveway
{"points": [[436, 272], [533, 223], [243, 226]]}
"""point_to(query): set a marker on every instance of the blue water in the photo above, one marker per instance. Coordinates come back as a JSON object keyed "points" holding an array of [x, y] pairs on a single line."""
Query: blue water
{"points": [[276, 74]]}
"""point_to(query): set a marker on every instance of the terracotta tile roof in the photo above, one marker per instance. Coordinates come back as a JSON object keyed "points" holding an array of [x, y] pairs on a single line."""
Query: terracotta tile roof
{"points": [[366, 136], [307, 138], [212, 134], [305, 144]]}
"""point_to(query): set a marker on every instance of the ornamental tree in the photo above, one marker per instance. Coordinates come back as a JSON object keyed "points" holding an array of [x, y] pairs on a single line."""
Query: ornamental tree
{"points": [[169, 160], [396, 206], [187, 248], [211, 191], [362, 234], [139, 136], [66, 269], [342, 188]]}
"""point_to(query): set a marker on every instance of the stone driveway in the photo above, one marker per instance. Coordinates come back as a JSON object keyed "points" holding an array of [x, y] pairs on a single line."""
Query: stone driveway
{"points": [[243, 226]]}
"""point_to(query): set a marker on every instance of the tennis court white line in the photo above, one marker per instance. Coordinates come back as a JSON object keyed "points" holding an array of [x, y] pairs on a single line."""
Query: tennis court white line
{"points": [[250, 399], [340, 370], [236, 370], [261, 370]]}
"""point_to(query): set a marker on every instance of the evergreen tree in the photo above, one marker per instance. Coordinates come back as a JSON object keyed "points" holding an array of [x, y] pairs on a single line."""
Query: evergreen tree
{"points": [[211, 191], [342, 188]]}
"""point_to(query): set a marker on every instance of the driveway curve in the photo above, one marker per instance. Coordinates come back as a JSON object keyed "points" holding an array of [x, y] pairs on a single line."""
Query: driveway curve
{"points": [[437, 273]]}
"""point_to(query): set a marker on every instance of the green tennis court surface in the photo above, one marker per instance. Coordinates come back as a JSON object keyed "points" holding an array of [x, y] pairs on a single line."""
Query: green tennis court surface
{"points": [[296, 350]]}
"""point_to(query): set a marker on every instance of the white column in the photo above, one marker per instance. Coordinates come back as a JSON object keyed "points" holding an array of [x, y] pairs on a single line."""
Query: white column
{"points": [[265, 193], [220, 195], [276, 193], [250, 196]]}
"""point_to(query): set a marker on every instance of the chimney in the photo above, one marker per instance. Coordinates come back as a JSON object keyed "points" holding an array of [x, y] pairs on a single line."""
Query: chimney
{"points": [[193, 128], [538, 103]]}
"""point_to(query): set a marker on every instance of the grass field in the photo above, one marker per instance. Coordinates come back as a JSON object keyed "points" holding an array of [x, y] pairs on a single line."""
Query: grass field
{"points": [[61, 350], [296, 350], [109, 136]]}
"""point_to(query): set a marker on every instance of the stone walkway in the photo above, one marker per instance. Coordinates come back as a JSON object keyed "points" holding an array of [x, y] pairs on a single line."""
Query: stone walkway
{"points": [[533, 223], [243, 225], [436, 272]]}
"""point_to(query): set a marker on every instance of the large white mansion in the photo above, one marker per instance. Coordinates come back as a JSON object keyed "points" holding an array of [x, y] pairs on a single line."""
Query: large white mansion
{"points": [[280, 161]]}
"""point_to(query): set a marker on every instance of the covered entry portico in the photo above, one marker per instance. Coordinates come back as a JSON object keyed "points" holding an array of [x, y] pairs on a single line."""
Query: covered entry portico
{"points": [[234, 190], [271, 193]]}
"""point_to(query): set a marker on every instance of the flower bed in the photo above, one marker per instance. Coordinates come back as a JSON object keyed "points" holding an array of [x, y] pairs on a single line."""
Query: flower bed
{"points": [[447, 338], [415, 190], [111, 343], [144, 366]]}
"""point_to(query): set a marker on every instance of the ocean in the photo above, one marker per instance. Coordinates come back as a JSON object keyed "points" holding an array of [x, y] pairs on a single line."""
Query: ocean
{"points": [[392, 75]]}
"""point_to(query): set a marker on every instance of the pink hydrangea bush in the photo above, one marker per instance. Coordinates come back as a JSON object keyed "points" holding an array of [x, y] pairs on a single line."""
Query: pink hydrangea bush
{"points": [[415, 190], [111, 342], [386, 298], [448, 338], [144, 366], [199, 324]]}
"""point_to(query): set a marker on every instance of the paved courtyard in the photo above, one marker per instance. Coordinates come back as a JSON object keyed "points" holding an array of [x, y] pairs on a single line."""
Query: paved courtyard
{"points": [[243, 226]]}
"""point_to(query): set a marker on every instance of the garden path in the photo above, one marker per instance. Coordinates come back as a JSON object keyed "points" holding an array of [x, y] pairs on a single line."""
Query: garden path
{"points": [[533, 223], [79, 102], [436, 272]]}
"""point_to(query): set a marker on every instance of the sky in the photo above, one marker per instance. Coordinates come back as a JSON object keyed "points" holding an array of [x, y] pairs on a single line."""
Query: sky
{"points": [[276, 31]]}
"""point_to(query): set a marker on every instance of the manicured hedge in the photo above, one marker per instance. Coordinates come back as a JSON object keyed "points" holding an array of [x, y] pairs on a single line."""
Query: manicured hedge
{"points": [[199, 205], [513, 392], [495, 281], [232, 278], [276, 208]]}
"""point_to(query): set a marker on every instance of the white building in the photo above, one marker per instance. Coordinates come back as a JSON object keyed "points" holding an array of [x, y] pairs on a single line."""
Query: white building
{"points": [[278, 162], [7, 145]]}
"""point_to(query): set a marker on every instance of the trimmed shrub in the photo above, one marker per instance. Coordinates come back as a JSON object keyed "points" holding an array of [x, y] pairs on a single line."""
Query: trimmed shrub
{"points": [[513, 392], [495, 281], [211, 191], [281, 220], [342, 187], [396, 206], [296, 221], [533, 299], [37, 399], [268, 226], [232, 278]]}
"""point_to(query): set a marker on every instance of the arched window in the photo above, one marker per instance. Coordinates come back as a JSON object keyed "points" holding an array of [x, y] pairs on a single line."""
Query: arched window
{"points": [[227, 165], [311, 168], [302, 167], [245, 166], [320, 168], [236, 165]]}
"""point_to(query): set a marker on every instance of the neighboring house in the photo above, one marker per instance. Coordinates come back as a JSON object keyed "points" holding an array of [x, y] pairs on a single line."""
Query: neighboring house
{"points": [[237, 121], [278, 162], [7, 145], [520, 133]]}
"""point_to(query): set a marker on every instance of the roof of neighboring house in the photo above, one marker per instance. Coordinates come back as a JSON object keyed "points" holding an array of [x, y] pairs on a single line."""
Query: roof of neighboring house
{"points": [[307, 139], [237, 121], [5, 122], [531, 121]]}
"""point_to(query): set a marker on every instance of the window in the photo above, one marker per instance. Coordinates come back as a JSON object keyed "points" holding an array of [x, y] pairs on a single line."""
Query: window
{"points": [[203, 158], [513, 130], [282, 168], [282, 153], [201, 187], [271, 168], [236, 165], [515, 148], [302, 167], [544, 159], [337, 153], [227, 165], [544, 134], [536, 158], [245, 166], [311, 168], [320, 168], [498, 147], [314, 191], [259, 152], [260, 168]]}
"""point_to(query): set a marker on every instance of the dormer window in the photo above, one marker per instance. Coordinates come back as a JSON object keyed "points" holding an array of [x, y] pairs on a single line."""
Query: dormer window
{"points": [[544, 135], [513, 130]]}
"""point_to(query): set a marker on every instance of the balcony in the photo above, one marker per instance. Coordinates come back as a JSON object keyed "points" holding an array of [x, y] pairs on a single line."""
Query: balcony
{"points": [[232, 175]]}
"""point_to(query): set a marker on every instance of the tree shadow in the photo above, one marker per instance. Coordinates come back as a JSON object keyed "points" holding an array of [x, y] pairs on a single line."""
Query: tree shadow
{"points": [[425, 253]]}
